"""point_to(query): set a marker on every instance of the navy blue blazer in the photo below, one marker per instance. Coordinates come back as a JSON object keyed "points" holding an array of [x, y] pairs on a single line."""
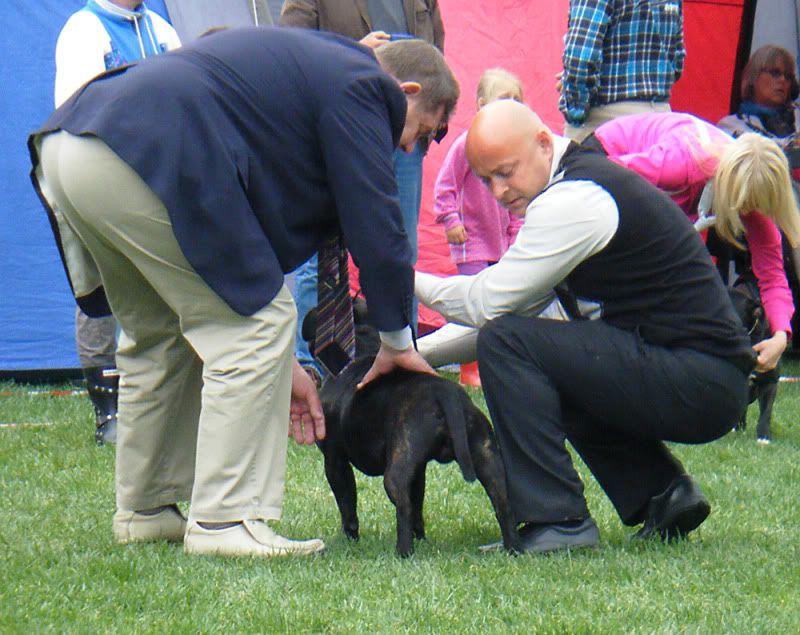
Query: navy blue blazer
{"points": [[261, 142]]}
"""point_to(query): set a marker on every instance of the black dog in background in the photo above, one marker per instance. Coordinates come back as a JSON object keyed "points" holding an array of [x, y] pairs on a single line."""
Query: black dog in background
{"points": [[394, 426], [763, 386]]}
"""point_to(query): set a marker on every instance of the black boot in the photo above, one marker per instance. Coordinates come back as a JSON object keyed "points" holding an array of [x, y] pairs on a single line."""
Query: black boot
{"points": [[103, 387]]}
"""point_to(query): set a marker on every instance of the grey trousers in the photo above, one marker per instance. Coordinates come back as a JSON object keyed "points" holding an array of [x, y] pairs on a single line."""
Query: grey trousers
{"points": [[204, 392], [96, 340]]}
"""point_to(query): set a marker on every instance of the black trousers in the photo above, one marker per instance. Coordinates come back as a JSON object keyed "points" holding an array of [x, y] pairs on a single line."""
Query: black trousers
{"points": [[615, 398]]}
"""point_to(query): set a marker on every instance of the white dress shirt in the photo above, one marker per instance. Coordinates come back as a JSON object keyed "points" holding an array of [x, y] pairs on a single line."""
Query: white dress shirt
{"points": [[567, 223]]}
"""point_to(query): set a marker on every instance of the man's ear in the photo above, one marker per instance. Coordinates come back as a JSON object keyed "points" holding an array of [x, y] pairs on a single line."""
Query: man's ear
{"points": [[410, 88], [544, 141]]}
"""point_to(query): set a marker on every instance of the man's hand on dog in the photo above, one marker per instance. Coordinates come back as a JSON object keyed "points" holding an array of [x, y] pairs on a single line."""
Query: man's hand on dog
{"points": [[306, 421], [389, 358], [770, 351]]}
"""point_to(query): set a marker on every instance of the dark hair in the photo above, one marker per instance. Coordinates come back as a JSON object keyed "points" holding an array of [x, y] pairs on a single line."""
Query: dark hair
{"points": [[418, 61], [763, 59]]}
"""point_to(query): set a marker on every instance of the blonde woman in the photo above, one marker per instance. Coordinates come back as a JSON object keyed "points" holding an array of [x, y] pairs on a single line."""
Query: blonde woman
{"points": [[745, 182]]}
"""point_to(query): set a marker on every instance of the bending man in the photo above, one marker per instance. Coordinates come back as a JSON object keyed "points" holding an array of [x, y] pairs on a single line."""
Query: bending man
{"points": [[190, 183]]}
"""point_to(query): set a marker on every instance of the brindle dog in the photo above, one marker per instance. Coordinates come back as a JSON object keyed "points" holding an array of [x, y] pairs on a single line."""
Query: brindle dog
{"points": [[393, 427]]}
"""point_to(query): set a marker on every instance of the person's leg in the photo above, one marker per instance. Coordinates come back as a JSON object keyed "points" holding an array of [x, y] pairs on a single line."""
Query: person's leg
{"points": [[305, 297], [242, 433], [624, 397], [408, 172], [160, 393], [96, 341], [160, 387]]}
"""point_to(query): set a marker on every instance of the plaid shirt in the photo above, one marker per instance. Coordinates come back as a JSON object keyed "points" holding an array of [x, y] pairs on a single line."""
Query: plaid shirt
{"points": [[616, 50]]}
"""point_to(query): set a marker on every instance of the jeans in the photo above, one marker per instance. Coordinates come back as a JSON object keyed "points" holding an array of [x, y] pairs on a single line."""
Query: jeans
{"points": [[305, 297]]}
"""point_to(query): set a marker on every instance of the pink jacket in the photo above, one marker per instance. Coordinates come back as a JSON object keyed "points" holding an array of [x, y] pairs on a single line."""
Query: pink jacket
{"points": [[460, 198], [678, 152]]}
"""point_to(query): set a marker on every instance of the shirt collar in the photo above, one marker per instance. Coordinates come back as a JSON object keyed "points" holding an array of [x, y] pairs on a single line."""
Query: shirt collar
{"points": [[560, 145]]}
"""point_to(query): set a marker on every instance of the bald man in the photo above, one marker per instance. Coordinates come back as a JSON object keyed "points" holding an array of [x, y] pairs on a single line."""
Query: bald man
{"points": [[663, 357]]}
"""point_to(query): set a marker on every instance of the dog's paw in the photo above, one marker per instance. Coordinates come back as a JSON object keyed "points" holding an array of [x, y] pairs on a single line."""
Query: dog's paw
{"points": [[351, 532]]}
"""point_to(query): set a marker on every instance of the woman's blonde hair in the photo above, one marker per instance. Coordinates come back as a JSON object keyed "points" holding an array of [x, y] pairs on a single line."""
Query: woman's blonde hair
{"points": [[753, 175], [494, 82]]}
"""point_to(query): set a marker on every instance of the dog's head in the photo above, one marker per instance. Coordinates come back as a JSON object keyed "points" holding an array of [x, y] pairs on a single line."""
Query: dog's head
{"points": [[367, 339], [750, 311]]}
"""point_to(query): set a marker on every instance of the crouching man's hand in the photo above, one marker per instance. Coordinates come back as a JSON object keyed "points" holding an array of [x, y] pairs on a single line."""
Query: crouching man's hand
{"points": [[389, 358], [306, 420]]}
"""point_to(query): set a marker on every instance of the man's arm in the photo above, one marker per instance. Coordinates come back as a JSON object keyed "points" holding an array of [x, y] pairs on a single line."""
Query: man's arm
{"points": [[564, 226], [583, 56], [438, 26], [356, 142]]}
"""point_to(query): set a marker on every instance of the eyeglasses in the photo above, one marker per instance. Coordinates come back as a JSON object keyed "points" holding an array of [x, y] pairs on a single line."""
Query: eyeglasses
{"points": [[776, 73]]}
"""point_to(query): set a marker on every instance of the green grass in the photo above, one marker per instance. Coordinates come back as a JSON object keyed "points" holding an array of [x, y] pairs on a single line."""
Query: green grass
{"points": [[60, 571]]}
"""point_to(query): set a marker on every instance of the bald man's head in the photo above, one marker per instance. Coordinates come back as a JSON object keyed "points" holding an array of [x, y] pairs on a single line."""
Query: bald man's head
{"points": [[511, 150]]}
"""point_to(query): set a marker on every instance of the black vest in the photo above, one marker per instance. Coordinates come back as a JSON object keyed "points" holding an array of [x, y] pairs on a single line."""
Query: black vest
{"points": [[655, 276]]}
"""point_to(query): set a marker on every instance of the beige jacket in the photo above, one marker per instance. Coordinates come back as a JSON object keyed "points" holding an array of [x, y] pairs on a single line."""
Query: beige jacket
{"points": [[351, 18]]}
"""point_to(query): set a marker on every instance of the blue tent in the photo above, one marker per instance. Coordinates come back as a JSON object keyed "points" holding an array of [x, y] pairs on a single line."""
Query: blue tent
{"points": [[36, 306]]}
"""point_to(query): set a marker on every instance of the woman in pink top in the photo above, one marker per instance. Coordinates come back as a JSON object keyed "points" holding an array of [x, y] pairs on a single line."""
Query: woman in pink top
{"points": [[479, 230], [747, 185]]}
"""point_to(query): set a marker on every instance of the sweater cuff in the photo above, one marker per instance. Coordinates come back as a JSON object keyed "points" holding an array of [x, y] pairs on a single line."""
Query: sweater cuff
{"points": [[398, 340]]}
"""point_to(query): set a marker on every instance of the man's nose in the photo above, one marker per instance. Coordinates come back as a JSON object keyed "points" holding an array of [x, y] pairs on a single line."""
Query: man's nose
{"points": [[498, 189]]}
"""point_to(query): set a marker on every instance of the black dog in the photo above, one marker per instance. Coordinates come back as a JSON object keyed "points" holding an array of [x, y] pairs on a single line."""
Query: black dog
{"points": [[763, 386], [394, 426]]}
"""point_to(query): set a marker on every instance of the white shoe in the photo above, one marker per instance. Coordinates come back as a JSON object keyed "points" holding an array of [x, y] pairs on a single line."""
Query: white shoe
{"points": [[168, 524], [249, 538]]}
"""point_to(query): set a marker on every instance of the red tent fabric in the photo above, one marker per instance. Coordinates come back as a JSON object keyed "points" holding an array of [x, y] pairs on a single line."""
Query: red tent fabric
{"points": [[712, 31]]}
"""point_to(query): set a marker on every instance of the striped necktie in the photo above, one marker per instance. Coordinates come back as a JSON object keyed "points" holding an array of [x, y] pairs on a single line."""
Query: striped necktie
{"points": [[334, 342]]}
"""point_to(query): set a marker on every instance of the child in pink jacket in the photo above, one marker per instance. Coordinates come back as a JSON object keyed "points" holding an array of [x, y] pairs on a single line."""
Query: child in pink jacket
{"points": [[479, 230], [747, 187]]}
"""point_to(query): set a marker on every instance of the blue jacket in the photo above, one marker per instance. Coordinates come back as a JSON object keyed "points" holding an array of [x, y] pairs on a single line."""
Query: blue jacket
{"points": [[260, 142]]}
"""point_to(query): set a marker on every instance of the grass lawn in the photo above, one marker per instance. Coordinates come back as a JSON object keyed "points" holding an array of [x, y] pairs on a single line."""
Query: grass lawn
{"points": [[60, 571]]}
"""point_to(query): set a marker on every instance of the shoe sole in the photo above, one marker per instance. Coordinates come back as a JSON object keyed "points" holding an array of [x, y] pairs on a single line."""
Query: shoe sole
{"points": [[194, 550]]}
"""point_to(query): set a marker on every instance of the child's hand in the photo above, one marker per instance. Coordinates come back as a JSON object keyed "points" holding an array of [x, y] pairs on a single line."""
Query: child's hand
{"points": [[456, 235]]}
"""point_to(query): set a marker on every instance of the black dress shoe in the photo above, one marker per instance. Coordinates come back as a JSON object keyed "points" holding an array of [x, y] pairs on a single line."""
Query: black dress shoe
{"points": [[675, 512], [538, 538], [543, 538]]}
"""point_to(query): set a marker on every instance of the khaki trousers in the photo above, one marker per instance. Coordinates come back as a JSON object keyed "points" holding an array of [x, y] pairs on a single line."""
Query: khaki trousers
{"points": [[599, 115], [204, 392]]}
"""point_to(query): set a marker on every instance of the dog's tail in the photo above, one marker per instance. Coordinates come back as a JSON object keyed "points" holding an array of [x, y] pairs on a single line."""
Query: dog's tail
{"points": [[455, 417]]}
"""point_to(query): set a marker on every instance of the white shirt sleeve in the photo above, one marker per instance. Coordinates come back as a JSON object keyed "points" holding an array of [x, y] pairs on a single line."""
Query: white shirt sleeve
{"points": [[82, 46], [80, 53], [565, 225], [165, 34]]}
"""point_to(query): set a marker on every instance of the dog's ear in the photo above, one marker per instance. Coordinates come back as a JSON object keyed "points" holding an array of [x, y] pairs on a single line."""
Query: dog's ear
{"points": [[309, 330]]}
